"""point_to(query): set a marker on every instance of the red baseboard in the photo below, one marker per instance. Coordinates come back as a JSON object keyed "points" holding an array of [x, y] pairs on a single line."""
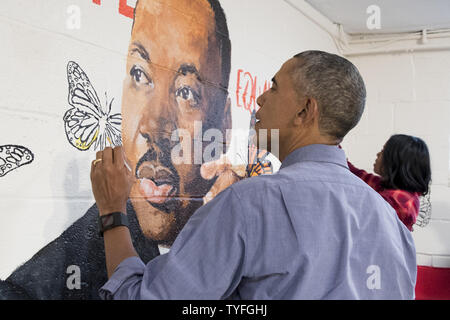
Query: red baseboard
{"points": [[433, 283]]}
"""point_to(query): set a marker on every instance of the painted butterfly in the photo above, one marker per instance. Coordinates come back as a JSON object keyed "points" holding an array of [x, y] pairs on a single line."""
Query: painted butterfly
{"points": [[12, 157], [257, 163], [88, 121]]}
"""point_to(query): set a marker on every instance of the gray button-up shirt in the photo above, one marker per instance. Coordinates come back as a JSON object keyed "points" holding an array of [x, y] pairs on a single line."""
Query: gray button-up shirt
{"points": [[313, 230]]}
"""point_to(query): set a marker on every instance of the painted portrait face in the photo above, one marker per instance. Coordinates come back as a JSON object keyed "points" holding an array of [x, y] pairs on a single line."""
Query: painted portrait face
{"points": [[173, 80]]}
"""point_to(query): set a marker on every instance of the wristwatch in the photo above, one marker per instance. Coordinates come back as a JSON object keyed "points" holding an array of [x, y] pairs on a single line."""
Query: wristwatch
{"points": [[112, 220]]}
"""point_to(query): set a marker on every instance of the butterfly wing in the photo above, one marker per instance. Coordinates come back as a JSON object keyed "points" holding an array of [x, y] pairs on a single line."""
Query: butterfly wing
{"points": [[82, 129], [82, 121], [82, 94], [112, 131], [87, 122], [257, 165], [266, 165], [110, 135], [13, 157], [255, 170], [266, 168]]}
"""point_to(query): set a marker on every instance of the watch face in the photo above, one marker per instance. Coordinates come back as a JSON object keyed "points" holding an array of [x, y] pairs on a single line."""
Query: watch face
{"points": [[107, 221], [112, 220]]}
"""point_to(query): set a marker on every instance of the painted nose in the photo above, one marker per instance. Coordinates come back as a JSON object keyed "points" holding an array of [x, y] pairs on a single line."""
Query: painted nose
{"points": [[157, 122]]}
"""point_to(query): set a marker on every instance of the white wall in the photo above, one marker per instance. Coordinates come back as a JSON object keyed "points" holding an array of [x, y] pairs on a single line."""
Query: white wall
{"points": [[410, 93], [40, 200]]}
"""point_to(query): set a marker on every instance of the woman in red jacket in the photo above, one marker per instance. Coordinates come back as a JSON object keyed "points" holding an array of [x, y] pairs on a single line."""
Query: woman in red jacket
{"points": [[403, 174]]}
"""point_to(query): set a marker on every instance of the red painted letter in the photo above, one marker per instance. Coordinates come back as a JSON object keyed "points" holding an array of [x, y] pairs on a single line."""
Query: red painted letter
{"points": [[125, 9]]}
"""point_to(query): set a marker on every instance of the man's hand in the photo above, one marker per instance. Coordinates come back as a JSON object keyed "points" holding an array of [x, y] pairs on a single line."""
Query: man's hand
{"points": [[111, 180], [226, 175]]}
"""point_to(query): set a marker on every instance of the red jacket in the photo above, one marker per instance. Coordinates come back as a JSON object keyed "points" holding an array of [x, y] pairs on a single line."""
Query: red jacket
{"points": [[405, 203]]}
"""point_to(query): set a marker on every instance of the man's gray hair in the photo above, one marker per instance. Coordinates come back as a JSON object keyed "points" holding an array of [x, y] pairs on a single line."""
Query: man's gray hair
{"points": [[336, 85]]}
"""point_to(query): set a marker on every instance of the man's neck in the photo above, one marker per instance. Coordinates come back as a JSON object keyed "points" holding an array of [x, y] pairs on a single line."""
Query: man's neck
{"points": [[284, 152]]}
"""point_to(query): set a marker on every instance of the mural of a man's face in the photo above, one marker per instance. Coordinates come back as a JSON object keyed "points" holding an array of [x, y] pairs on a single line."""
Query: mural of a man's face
{"points": [[174, 72]]}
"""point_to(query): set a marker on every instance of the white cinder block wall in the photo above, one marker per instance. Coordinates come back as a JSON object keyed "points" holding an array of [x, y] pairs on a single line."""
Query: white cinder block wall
{"points": [[40, 200], [409, 93]]}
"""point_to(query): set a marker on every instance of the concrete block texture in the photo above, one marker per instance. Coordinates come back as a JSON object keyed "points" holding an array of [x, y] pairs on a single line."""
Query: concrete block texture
{"points": [[408, 93]]}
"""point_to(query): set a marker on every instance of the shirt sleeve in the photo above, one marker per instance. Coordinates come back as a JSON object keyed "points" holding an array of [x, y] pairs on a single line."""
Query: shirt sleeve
{"points": [[406, 205], [206, 261], [371, 179], [129, 271]]}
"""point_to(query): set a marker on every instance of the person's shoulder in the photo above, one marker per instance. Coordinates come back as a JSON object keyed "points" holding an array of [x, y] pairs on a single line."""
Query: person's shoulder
{"points": [[399, 196], [325, 173], [258, 183], [404, 202]]}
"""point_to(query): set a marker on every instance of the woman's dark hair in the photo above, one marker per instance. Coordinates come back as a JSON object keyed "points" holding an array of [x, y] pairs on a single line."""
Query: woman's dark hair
{"points": [[406, 164]]}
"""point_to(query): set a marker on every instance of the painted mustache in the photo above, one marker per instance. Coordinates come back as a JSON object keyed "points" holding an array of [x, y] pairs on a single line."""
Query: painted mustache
{"points": [[158, 179]]}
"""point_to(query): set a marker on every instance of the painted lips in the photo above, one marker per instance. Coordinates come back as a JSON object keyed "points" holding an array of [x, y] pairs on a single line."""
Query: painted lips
{"points": [[157, 184]]}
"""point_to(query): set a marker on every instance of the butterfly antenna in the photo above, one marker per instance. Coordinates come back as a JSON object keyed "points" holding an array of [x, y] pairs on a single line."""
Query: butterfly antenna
{"points": [[106, 112], [110, 106]]}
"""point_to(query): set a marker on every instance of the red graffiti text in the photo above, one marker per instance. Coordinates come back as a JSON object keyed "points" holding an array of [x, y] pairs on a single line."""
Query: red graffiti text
{"points": [[124, 8], [248, 90]]}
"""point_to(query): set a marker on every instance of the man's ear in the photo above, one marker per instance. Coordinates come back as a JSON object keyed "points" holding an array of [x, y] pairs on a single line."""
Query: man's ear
{"points": [[308, 113], [313, 115], [227, 123]]}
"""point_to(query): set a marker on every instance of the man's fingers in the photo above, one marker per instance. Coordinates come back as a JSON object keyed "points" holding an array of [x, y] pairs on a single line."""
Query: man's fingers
{"points": [[108, 158], [118, 156], [92, 168], [95, 171], [98, 155]]}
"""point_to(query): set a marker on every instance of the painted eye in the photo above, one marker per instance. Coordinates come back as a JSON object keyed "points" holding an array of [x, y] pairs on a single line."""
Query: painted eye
{"points": [[186, 93], [140, 77]]}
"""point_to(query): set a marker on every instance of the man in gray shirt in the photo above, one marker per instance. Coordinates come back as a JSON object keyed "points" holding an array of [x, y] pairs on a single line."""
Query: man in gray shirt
{"points": [[311, 231]]}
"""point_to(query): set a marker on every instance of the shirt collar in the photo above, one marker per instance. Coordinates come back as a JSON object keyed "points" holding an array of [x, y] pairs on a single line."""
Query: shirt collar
{"points": [[317, 153]]}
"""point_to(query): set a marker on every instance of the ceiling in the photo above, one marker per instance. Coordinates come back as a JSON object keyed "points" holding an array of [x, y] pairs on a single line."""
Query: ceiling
{"points": [[395, 15]]}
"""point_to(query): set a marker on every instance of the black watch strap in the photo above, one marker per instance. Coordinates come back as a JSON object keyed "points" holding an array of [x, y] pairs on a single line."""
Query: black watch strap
{"points": [[112, 220]]}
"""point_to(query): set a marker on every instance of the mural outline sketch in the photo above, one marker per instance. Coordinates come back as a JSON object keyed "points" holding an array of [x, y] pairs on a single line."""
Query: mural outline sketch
{"points": [[12, 157], [88, 121], [201, 65]]}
